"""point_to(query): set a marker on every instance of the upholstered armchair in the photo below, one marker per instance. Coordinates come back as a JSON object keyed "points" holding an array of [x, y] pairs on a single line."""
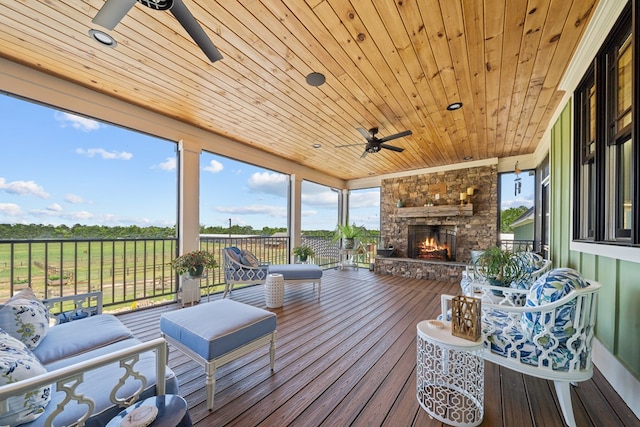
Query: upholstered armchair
{"points": [[242, 267], [550, 336]]}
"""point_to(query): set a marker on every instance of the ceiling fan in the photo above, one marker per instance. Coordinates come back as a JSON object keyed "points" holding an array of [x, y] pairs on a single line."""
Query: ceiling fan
{"points": [[114, 10], [375, 144]]}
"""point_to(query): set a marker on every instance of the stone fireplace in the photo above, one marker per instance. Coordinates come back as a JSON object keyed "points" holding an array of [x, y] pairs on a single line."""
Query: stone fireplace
{"points": [[432, 242], [431, 202]]}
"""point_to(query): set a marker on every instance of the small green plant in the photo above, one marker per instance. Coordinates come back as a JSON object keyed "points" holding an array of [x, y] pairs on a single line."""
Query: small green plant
{"points": [[194, 262], [303, 252], [499, 267], [348, 232]]}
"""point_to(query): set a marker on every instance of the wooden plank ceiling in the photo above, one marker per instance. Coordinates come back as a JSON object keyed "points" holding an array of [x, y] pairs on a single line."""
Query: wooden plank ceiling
{"points": [[395, 65]]}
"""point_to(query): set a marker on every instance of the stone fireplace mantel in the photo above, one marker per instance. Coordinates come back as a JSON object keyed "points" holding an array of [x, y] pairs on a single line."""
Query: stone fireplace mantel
{"points": [[435, 211]]}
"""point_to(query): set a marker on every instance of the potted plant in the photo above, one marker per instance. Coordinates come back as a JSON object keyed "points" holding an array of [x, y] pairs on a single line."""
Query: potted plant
{"points": [[194, 263], [348, 233], [303, 252], [499, 267]]}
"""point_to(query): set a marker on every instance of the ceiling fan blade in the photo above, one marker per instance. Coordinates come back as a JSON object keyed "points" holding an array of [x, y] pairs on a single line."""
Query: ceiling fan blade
{"points": [[112, 13], [392, 148], [397, 135], [186, 19], [364, 154], [365, 133]]}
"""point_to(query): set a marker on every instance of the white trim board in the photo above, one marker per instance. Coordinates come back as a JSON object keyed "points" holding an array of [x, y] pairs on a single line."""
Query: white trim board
{"points": [[626, 385]]}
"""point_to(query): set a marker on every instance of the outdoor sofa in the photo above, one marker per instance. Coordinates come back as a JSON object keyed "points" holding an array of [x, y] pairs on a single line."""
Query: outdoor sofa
{"points": [[86, 356]]}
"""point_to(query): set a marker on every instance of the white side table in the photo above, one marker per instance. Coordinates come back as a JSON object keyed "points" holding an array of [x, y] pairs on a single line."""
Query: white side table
{"points": [[450, 375], [190, 290], [347, 258]]}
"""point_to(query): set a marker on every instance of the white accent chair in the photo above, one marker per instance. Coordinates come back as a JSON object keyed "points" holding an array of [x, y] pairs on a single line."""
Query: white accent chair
{"points": [[249, 272], [550, 336]]}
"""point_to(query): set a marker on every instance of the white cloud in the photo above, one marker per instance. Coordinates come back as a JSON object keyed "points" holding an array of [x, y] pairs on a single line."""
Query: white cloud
{"points": [[54, 208], [326, 198], [169, 164], [77, 122], [273, 211], [363, 199], [269, 182], [10, 209], [517, 202], [23, 188], [74, 199], [106, 155], [214, 167]]}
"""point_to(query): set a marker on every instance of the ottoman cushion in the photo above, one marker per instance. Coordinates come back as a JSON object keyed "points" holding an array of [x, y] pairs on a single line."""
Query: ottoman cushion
{"points": [[297, 271], [217, 327]]}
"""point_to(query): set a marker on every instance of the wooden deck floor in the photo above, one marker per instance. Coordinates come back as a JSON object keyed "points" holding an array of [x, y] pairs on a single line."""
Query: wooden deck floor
{"points": [[349, 360]]}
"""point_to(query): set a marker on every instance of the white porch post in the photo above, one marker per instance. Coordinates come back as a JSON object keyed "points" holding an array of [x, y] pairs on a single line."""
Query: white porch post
{"points": [[189, 196], [295, 213], [343, 217]]}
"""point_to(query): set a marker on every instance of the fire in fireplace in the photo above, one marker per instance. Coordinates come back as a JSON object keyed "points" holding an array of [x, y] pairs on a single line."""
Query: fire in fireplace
{"points": [[432, 242]]}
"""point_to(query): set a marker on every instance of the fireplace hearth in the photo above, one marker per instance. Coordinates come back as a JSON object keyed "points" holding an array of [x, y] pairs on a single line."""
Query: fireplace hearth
{"points": [[432, 242]]}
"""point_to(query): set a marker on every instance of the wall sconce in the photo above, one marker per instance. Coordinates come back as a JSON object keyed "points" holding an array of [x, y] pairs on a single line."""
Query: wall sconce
{"points": [[470, 191]]}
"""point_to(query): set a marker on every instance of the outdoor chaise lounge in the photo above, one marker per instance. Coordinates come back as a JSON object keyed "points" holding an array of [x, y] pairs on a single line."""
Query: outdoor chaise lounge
{"points": [[242, 267]]}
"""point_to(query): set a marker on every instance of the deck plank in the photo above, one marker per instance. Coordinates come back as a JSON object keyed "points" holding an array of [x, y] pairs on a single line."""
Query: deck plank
{"points": [[348, 359]]}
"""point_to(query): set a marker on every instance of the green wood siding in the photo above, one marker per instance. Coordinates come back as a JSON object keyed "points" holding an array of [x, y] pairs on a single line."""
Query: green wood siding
{"points": [[618, 323]]}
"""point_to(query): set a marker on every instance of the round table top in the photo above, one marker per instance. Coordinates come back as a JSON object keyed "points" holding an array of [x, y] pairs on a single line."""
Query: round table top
{"points": [[440, 331], [171, 411]]}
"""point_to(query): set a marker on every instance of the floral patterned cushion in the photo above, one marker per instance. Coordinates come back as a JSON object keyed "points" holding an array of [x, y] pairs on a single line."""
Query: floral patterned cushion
{"points": [[18, 363], [549, 288], [506, 340], [26, 318]]}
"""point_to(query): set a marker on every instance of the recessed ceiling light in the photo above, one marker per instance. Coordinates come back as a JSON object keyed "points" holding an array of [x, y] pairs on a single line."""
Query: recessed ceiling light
{"points": [[315, 79], [468, 158], [454, 106], [103, 38], [316, 145]]}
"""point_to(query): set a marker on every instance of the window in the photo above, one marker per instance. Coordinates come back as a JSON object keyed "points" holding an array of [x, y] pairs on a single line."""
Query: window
{"points": [[605, 147]]}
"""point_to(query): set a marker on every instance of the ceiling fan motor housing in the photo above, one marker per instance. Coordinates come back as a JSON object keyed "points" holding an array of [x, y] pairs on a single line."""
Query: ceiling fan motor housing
{"points": [[157, 4]]}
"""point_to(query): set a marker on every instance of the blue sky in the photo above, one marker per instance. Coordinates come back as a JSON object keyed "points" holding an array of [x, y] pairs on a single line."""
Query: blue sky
{"points": [[66, 169], [58, 168]]}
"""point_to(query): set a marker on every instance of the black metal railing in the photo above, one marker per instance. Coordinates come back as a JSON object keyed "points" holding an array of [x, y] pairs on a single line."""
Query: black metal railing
{"points": [[516, 245], [131, 273]]}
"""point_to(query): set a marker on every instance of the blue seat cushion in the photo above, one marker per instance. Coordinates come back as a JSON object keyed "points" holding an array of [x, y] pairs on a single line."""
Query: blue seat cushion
{"points": [[296, 271], [218, 327], [97, 331], [98, 381]]}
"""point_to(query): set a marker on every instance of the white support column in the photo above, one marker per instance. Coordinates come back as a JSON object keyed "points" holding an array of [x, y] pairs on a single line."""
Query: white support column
{"points": [[189, 213], [189, 199], [295, 213], [344, 207]]}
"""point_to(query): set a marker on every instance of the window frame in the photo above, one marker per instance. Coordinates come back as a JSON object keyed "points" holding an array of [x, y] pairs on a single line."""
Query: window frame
{"points": [[598, 200]]}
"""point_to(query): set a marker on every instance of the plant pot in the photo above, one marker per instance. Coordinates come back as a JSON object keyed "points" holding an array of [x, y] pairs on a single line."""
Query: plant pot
{"points": [[348, 243], [303, 258], [196, 271]]}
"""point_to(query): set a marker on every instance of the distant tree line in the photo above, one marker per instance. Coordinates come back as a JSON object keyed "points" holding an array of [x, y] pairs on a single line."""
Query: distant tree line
{"points": [[79, 231]]}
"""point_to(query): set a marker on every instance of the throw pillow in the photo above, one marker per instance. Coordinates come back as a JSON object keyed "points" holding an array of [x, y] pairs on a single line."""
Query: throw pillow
{"points": [[549, 288], [233, 253], [26, 318], [18, 363], [248, 259]]}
